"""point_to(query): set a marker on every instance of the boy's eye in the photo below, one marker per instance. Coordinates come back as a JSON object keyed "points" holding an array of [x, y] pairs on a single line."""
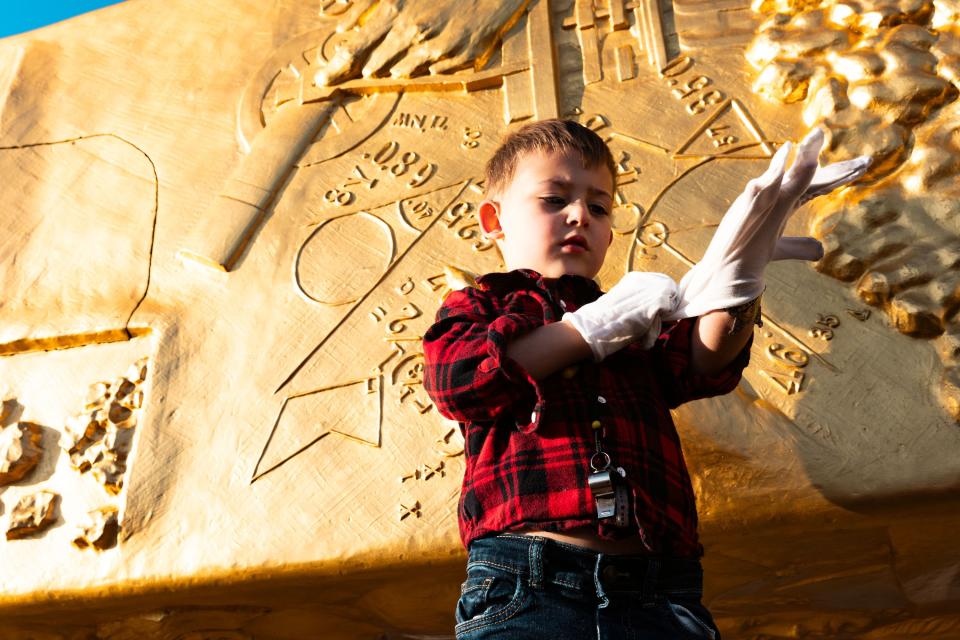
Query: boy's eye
{"points": [[554, 200], [598, 210]]}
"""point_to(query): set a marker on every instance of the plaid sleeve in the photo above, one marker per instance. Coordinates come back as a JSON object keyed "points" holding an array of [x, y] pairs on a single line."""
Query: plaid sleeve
{"points": [[467, 372], [672, 355]]}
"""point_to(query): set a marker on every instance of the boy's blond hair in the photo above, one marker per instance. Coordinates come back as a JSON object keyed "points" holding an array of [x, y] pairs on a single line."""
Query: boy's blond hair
{"points": [[546, 136]]}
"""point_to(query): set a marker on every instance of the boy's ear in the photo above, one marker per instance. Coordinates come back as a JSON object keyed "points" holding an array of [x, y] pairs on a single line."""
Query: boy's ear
{"points": [[489, 215], [610, 241]]}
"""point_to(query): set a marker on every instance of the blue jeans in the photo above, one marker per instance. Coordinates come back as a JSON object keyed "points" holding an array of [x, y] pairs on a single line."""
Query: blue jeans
{"points": [[521, 587]]}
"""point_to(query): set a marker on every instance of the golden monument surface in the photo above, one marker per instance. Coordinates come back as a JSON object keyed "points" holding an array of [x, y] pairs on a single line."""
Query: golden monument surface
{"points": [[226, 226]]}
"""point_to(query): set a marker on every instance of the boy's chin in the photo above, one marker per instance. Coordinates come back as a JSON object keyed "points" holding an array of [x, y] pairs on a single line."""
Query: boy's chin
{"points": [[558, 270]]}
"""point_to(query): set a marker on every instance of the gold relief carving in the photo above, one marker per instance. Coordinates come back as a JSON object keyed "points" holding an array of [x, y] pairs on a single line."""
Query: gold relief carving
{"points": [[7, 407], [300, 105], [517, 88], [335, 8], [877, 75], [589, 38], [20, 449], [471, 138], [451, 444], [100, 530], [421, 122], [729, 132], [399, 306], [713, 23], [32, 514], [415, 510], [322, 278], [353, 198], [790, 357], [824, 326], [360, 403], [860, 314], [100, 439], [426, 471], [543, 67], [649, 19], [626, 62], [787, 376]]}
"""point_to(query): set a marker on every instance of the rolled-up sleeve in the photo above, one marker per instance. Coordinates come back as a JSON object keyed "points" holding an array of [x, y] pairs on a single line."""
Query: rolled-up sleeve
{"points": [[468, 374], [672, 360]]}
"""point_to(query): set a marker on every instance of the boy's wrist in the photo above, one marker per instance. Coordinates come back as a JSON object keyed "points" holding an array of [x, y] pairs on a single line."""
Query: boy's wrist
{"points": [[745, 315]]}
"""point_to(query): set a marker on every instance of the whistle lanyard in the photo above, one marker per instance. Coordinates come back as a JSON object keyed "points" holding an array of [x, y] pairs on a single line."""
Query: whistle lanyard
{"points": [[611, 495], [608, 484]]}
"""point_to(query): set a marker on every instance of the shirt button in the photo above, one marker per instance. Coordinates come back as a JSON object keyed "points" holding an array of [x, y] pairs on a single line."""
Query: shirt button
{"points": [[570, 371], [601, 400], [533, 417], [596, 424]]}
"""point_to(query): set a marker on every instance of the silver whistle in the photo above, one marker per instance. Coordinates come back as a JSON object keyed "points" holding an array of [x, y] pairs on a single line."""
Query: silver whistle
{"points": [[604, 496]]}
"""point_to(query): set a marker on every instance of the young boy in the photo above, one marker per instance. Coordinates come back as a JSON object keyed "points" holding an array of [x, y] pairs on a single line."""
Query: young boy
{"points": [[577, 509]]}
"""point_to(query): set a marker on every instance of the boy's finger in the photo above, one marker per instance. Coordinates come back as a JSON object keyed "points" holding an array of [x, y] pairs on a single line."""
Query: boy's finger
{"points": [[797, 248], [835, 175], [777, 165], [799, 175]]}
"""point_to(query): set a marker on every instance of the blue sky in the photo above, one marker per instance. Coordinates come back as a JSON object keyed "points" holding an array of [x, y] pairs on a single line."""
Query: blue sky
{"points": [[17, 16]]}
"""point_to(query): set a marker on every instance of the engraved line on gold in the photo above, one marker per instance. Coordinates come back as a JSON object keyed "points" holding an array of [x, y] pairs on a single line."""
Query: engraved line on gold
{"points": [[296, 262], [747, 121], [752, 126], [153, 229], [643, 143], [360, 301], [266, 446], [653, 205], [377, 114], [403, 216]]}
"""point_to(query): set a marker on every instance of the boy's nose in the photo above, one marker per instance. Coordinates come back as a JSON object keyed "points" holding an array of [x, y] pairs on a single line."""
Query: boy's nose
{"points": [[577, 214]]}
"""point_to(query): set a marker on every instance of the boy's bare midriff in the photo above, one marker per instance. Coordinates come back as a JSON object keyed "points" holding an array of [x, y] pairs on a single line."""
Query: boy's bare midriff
{"points": [[587, 538]]}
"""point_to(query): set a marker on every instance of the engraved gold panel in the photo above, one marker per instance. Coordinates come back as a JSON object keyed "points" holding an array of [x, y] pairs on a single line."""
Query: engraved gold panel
{"points": [[271, 203]]}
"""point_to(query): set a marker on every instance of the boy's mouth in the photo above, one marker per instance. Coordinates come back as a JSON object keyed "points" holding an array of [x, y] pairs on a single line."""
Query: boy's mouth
{"points": [[575, 243]]}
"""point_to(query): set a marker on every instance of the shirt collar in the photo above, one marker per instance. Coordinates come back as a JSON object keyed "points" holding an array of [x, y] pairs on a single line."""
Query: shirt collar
{"points": [[567, 285]]}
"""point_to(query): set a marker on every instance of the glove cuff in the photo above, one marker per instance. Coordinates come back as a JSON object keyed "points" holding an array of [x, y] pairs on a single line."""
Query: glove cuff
{"points": [[745, 314]]}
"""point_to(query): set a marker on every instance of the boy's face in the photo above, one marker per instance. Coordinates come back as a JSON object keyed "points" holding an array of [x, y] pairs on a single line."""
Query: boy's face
{"points": [[553, 217]]}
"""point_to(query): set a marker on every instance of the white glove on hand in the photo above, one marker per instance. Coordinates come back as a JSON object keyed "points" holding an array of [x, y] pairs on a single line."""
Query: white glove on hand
{"points": [[629, 312], [749, 235]]}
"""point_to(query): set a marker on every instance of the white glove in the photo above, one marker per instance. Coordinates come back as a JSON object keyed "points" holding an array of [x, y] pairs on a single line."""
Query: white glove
{"points": [[629, 312], [749, 235]]}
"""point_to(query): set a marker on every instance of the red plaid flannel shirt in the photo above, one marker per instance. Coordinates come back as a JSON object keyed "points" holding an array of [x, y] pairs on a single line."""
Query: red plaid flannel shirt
{"points": [[528, 443]]}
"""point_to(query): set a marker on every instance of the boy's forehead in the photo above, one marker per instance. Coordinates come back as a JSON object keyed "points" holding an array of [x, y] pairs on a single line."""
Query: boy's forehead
{"points": [[554, 167]]}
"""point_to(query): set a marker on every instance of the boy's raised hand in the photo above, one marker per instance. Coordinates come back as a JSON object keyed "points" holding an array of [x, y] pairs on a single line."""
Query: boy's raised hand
{"points": [[629, 312], [750, 234]]}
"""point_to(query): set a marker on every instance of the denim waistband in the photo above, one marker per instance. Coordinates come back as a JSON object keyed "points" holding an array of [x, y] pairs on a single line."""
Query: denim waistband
{"points": [[544, 561]]}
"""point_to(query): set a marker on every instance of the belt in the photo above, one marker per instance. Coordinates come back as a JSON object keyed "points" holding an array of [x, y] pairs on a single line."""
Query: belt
{"points": [[547, 561]]}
